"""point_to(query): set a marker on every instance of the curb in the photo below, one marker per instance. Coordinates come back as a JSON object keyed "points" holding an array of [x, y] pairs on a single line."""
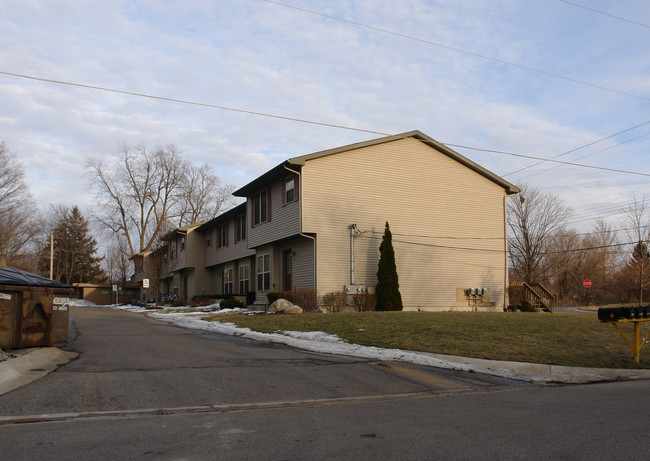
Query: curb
{"points": [[540, 373]]}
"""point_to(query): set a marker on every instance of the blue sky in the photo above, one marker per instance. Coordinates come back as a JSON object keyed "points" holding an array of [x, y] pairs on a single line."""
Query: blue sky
{"points": [[518, 76]]}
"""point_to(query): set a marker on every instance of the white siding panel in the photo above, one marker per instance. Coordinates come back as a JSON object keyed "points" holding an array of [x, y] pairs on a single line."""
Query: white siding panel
{"points": [[447, 221]]}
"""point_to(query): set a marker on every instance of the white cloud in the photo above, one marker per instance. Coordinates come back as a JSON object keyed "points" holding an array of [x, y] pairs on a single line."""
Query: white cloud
{"points": [[262, 57]]}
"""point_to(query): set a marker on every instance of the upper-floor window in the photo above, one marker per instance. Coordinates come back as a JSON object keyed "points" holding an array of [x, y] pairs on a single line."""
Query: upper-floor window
{"points": [[222, 236], [261, 207], [208, 238], [240, 228], [182, 243], [290, 189]]}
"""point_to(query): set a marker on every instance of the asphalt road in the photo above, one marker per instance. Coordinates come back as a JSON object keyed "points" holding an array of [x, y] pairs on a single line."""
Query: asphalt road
{"points": [[143, 389]]}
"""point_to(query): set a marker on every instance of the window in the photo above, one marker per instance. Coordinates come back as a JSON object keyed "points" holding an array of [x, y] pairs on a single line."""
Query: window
{"points": [[240, 228], [261, 207], [244, 279], [222, 236], [182, 243], [227, 282], [208, 238], [264, 272], [290, 189]]}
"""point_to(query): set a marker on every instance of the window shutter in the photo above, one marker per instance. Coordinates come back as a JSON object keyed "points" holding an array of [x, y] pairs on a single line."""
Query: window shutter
{"points": [[268, 207]]}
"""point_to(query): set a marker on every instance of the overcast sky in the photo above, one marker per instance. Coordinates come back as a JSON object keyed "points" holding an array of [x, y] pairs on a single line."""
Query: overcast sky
{"points": [[529, 77]]}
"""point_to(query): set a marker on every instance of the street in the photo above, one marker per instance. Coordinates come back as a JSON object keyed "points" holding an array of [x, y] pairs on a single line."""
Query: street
{"points": [[143, 389]]}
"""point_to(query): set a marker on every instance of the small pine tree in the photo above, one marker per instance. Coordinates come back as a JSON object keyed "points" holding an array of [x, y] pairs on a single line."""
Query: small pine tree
{"points": [[75, 251], [387, 291]]}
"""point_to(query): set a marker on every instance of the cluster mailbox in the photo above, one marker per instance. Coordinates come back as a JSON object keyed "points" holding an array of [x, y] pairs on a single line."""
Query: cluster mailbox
{"points": [[614, 314]]}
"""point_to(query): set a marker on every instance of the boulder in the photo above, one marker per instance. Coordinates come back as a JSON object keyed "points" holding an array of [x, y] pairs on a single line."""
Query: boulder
{"points": [[293, 310], [280, 305]]}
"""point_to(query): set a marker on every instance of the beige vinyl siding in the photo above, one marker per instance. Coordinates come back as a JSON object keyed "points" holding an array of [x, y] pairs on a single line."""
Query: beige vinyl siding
{"points": [[447, 221], [195, 245], [284, 222]]}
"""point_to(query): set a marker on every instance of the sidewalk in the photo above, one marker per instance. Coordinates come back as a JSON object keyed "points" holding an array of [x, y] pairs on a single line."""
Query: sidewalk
{"points": [[29, 364]]}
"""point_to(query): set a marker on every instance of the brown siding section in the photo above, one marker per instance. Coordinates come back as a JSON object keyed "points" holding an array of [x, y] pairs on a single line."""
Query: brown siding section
{"points": [[284, 222]]}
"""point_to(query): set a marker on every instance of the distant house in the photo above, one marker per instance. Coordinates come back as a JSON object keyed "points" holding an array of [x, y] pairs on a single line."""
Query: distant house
{"points": [[316, 221]]}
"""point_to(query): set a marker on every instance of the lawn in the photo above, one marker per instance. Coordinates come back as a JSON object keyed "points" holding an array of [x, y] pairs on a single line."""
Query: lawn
{"points": [[558, 339]]}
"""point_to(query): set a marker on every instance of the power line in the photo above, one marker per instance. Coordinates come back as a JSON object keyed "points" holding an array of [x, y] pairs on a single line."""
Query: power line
{"points": [[459, 50], [193, 103], [492, 151], [440, 237], [585, 156], [293, 119], [605, 14], [581, 147]]}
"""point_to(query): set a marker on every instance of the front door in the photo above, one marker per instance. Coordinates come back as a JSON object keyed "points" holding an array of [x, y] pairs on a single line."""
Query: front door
{"points": [[286, 272]]}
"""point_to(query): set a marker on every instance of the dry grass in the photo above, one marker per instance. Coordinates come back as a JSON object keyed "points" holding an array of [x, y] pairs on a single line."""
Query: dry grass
{"points": [[557, 339]]}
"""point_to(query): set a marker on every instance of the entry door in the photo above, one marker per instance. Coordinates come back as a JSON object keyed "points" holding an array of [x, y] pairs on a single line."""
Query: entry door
{"points": [[286, 272]]}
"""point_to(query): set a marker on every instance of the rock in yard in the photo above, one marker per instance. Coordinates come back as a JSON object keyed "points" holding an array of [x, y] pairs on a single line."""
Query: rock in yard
{"points": [[280, 305], [293, 310]]}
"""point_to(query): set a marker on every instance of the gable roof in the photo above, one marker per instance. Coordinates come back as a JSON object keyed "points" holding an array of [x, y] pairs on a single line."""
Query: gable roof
{"points": [[180, 231], [299, 161], [235, 211]]}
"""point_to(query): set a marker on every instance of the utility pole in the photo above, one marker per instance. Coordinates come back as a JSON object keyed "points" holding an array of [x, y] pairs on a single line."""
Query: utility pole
{"points": [[51, 255]]}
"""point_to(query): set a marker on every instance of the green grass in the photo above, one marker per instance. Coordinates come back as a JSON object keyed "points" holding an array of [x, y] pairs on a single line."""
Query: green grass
{"points": [[558, 339]]}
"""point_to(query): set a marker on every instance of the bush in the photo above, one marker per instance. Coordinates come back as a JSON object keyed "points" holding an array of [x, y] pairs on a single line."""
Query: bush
{"points": [[388, 296], [273, 296], [365, 302], [335, 301], [198, 301], [231, 304], [304, 297]]}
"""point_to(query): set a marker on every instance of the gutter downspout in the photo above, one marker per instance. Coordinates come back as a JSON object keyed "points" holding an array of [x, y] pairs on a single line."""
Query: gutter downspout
{"points": [[352, 229], [505, 252], [300, 191]]}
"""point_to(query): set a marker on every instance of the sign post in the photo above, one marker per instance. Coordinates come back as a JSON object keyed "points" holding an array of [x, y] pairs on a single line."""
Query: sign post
{"points": [[115, 291], [145, 285], [587, 285]]}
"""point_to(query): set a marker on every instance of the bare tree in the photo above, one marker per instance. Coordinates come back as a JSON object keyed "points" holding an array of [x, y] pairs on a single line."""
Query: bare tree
{"points": [[18, 211], [567, 264], [145, 193], [204, 196], [137, 193], [639, 232], [533, 218], [116, 263]]}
